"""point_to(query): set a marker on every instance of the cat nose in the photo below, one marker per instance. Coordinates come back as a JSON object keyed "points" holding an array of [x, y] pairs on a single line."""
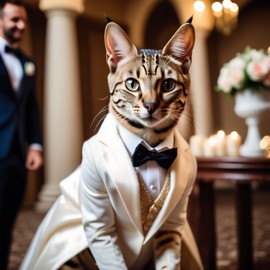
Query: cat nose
{"points": [[150, 106]]}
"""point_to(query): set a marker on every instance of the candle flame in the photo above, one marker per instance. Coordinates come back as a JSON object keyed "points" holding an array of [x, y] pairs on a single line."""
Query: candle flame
{"points": [[265, 142], [234, 135], [221, 134]]}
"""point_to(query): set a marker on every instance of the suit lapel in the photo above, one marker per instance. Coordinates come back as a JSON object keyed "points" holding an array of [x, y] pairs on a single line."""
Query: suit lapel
{"points": [[5, 79], [179, 176], [125, 179], [24, 79], [6, 85], [120, 169]]}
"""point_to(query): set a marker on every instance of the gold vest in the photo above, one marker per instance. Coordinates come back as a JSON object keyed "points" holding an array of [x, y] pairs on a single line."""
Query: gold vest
{"points": [[149, 207]]}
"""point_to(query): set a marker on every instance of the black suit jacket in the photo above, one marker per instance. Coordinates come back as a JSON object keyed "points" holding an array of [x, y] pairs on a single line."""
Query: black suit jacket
{"points": [[18, 110]]}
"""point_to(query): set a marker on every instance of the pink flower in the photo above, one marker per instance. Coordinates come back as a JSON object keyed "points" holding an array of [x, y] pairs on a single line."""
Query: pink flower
{"points": [[236, 77], [249, 69], [257, 70]]}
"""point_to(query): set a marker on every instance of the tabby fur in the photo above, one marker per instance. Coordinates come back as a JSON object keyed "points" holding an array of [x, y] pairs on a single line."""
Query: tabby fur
{"points": [[148, 88]]}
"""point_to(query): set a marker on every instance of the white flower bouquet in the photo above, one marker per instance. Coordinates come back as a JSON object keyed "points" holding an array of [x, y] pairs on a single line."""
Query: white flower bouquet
{"points": [[249, 69]]}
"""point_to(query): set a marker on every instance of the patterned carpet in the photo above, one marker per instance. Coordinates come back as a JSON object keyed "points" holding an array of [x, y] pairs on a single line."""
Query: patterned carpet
{"points": [[227, 253], [29, 220]]}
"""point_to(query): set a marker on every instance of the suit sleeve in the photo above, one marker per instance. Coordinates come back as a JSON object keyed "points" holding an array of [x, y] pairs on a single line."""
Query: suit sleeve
{"points": [[168, 240], [98, 214], [33, 134]]}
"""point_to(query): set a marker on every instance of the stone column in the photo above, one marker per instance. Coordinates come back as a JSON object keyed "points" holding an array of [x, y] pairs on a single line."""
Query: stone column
{"points": [[63, 132], [200, 86]]}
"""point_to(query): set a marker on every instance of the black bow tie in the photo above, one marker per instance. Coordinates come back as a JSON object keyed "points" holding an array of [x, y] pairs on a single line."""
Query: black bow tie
{"points": [[9, 49], [164, 159]]}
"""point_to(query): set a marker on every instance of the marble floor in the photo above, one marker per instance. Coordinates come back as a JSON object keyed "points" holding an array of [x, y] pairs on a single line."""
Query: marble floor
{"points": [[28, 221]]}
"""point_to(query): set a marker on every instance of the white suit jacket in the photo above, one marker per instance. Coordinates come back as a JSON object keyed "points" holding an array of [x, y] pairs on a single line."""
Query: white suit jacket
{"points": [[108, 179]]}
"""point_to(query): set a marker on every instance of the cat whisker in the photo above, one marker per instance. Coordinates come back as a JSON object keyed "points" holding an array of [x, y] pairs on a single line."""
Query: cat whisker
{"points": [[100, 121], [104, 109], [105, 98]]}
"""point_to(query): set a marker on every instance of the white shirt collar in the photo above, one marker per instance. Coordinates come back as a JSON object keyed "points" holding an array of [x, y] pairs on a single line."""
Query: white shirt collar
{"points": [[3, 43], [131, 141]]}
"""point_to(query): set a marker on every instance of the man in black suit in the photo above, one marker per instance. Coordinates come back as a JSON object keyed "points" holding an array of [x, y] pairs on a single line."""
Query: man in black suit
{"points": [[20, 139]]}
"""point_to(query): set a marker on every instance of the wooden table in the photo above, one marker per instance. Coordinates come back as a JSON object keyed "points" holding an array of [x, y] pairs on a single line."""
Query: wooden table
{"points": [[241, 171]]}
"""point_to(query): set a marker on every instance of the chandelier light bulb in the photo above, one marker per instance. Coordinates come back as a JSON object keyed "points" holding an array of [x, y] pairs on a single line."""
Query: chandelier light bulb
{"points": [[234, 8], [224, 11], [199, 6]]}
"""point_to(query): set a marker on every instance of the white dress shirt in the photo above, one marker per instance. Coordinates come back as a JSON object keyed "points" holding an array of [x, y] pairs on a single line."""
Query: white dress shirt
{"points": [[152, 174], [13, 65]]}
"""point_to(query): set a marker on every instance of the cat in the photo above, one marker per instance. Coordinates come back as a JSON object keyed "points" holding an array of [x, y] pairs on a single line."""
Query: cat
{"points": [[148, 88], [107, 217]]}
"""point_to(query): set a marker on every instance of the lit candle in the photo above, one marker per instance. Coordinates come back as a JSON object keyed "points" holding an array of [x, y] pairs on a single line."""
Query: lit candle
{"points": [[217, 9], [233, 144], [234, 9], [221, 143], [209, 146], [265, 145], [196, 145]]}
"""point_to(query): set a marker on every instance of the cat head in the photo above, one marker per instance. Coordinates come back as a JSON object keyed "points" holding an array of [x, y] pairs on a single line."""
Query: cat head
{"points": [[148, 88]]}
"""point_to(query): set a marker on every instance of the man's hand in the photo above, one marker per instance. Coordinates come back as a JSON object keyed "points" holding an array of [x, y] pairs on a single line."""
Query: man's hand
{"points": [[34, 159]]}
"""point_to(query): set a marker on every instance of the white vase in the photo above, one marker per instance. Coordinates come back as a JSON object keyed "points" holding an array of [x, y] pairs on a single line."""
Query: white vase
{"points": [[252, 105]]}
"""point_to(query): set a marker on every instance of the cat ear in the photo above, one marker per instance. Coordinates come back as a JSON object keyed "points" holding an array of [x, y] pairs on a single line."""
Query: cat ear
{"points": [[180, 46], [119, 47]]}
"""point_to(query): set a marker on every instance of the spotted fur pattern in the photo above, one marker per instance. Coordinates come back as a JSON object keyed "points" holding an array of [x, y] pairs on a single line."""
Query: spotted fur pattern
{"points": [[148, 88]]}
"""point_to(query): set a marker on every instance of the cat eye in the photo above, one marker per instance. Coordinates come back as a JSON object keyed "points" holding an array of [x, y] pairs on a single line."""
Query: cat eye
{"points": [[168, 85], [132, 84]]}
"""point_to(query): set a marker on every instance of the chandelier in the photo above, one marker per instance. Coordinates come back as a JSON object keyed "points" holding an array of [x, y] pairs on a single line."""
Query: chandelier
{"points": [[225, 13]]}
